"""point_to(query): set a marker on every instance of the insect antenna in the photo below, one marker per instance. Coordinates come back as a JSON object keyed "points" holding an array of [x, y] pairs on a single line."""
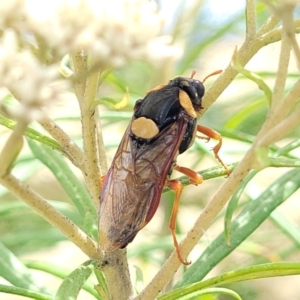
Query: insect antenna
{"points": [[193, 74], [214, 73]]}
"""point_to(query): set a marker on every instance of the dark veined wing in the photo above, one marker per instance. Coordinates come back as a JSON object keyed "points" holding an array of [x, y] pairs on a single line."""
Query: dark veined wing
{"points": [[133, 185]]}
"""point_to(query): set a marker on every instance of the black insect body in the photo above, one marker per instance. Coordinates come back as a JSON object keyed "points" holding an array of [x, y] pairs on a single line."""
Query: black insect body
{"points": [[164, 124]]}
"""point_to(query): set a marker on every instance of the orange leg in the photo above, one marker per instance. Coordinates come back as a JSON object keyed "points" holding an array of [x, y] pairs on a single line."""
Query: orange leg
{"points": [[210, 133], [195, 178], [177, 187]]}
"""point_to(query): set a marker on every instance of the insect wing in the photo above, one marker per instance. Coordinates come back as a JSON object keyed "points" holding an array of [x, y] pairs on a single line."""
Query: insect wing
{"points": [[134, 183]]}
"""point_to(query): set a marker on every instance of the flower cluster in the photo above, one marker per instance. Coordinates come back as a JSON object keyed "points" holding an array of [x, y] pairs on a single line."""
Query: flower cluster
{"points": [[32, 83], [38, 34], [113, 31]]}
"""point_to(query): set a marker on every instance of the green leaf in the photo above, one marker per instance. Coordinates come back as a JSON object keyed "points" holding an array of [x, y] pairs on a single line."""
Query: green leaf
{"points": [[232, 205], [252, 76], [12, 270], [247, 221], [32, 134], [72, 284], [243, 114], [71, 184], [101, 287], [60, 272], [207, 174], [249, 273], [288, 148], [236, 135], [24, 292], [199, 293]]}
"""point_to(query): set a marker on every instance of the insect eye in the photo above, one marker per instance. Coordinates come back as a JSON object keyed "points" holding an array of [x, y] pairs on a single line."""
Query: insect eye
{"points": [[196, 91], [200, 90], [194, 88]]}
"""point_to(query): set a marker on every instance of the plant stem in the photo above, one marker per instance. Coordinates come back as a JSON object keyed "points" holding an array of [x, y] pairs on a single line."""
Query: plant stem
{"points": [[114, 266], [282, 70], [101, 149], [86, 91], [281, 129], [69, 147], [250, 19]]}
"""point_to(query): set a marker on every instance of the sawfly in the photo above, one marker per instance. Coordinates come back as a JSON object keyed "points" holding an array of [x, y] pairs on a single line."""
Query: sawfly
{"points": [[164, 125]]}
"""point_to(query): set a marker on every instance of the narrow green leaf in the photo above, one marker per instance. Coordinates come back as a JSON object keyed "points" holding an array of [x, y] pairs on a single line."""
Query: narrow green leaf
{"points": [[24, 292], [249, 273], [236, 134], [215, 172], [252, 76], [211, 291], [284, 162], [101, 287], [209, 173], [232, 205], [288, 148], [72, 284], [12, 270], [246, 222], [240, 116], [71, 184], [32, 134], [58, 272]]}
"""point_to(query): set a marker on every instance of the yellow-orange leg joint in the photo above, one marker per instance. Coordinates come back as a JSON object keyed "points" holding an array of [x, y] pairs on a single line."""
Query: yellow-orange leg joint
{"points": [[210, 133], [194, 177]]}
